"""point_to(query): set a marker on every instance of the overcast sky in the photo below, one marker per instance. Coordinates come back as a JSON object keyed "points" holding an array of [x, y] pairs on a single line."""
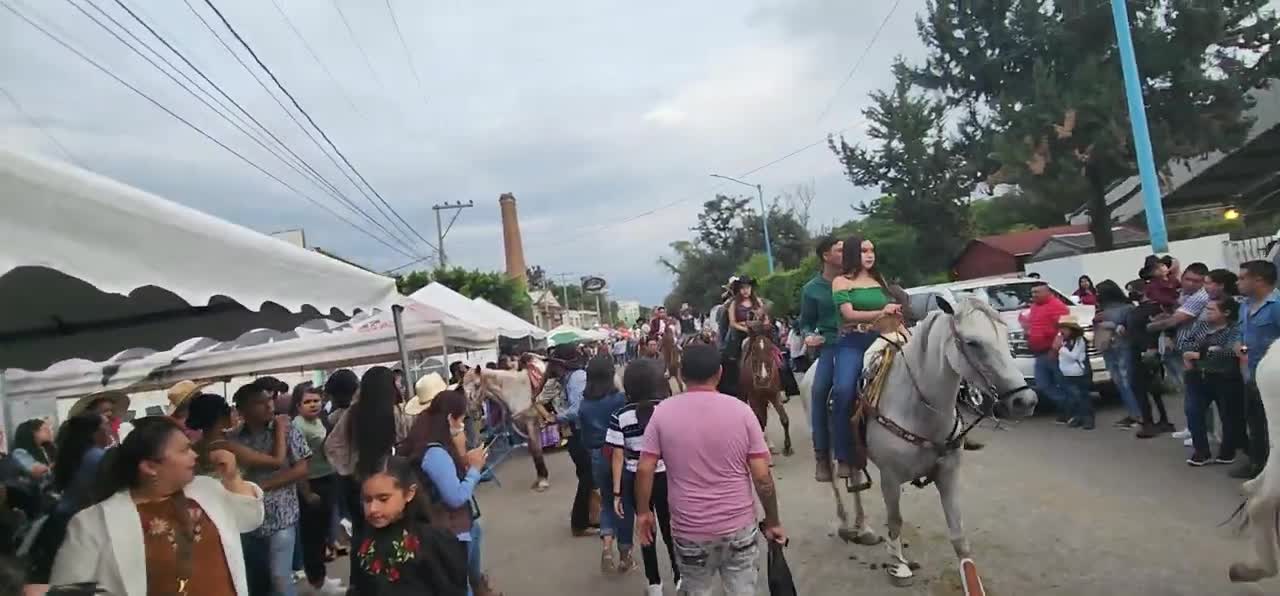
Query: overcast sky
{"points": [[590, 112]]}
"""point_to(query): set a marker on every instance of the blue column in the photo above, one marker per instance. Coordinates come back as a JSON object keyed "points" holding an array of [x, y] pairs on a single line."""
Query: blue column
{"points": [[1141, 136]]}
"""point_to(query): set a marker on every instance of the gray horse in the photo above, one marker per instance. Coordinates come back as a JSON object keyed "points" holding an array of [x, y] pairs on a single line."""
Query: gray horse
{"points": [[915, 433]]}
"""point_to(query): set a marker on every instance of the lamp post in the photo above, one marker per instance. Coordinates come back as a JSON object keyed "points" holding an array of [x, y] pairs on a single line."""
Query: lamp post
{"points": [[1138, 122], [764, 216]]}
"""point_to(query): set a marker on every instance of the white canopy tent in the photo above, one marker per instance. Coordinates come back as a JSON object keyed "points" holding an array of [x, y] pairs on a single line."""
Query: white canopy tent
{"points": [[90, 267], [444, 298], [534, 332]]}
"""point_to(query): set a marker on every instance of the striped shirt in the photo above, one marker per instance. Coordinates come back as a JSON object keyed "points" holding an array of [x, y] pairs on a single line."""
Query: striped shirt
{"points": [[626, 432]]}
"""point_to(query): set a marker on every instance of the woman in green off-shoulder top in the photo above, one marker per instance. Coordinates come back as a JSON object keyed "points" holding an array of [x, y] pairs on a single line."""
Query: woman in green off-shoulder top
{"points": [[861, 296]]}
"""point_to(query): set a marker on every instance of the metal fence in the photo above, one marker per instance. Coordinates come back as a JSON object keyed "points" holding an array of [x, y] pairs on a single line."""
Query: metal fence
{"points": [[1248, 249]]}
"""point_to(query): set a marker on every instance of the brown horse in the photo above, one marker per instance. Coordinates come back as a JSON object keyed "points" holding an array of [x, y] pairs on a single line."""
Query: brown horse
{"points": [[670, 350], [760, 382]]}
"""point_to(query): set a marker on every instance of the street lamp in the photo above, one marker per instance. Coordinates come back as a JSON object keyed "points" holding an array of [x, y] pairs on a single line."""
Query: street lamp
{"points": [[764, 216]]}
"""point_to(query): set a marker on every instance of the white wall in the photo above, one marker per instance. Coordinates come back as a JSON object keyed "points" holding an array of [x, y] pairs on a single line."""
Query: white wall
{"points": [[1121, 265]]}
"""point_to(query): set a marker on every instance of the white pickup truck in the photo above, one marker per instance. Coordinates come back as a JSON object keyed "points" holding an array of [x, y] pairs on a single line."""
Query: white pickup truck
{"points": [[1010, 296]]}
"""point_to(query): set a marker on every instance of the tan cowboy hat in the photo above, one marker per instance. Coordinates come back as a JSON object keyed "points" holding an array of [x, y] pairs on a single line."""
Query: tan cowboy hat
{"points": [[119, 398], [183, 391], [425, 390], [1070, 322]]}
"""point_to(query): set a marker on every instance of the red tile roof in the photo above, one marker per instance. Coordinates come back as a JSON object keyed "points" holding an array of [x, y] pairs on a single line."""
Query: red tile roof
{"points": [[1029, 241]]}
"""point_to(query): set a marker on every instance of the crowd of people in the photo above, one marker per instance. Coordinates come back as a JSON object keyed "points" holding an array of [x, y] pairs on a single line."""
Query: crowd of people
{"points": [[1173, 329], [250, 496]]}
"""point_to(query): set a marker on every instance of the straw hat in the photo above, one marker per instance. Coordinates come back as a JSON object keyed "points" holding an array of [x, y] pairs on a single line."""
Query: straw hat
{"points": [[182, 391], [425, 390], [120, 400], [1070, 322]]}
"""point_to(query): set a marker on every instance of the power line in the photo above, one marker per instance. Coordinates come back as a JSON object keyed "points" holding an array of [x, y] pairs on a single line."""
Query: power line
{"points": [[397, 233], [33, 122], [215, 110], [408, 56], [356, 42], [293, 100], [314, 55], [858, 63], [179, 118]]}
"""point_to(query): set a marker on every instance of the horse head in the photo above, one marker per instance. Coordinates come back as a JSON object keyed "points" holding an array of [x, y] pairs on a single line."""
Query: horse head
{"points": [[757, 357], [978, 350]]}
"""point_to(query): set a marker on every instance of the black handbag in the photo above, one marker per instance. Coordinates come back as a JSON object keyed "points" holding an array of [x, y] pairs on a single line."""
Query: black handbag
{"points": [[780, 582]]}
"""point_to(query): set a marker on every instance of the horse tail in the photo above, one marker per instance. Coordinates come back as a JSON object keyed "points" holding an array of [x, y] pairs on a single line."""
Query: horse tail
{"points": [[1239, 519]]}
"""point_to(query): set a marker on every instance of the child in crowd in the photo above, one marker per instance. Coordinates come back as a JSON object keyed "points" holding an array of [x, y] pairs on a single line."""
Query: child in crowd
{"points": [[400, 554], [1073, 360]]}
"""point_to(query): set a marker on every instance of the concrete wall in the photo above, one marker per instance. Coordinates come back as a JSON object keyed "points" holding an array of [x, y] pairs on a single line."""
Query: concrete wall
{"points": [[1122, 265]]}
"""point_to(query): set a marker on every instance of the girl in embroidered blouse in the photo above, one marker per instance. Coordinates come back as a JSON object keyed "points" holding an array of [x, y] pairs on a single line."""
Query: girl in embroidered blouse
{"points": [[400, 554], [861, 295]]}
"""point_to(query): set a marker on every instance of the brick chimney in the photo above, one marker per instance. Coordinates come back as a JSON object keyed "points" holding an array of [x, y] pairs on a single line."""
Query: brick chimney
{"points": [[512, 244]]}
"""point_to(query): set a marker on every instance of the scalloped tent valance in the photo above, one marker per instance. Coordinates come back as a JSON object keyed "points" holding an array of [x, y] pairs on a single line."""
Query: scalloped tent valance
{"points": [[90, 267]]}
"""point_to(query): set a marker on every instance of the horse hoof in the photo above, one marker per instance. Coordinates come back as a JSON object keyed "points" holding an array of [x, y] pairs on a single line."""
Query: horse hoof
{"points": [[900, 575], [787, 451], [863, 537], [1244, 573]]}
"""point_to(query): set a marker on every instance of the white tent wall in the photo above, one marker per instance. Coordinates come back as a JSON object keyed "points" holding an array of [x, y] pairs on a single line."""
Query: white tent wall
{"points": [[1121, 266], [446, 299], [510, 319]]}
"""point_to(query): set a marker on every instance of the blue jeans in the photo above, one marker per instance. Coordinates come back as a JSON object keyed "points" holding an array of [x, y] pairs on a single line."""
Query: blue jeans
{"points": [[269, 561], [1050, 383], [1120, 365], [602, 472], [819, 407], [475, 567], [850, 349], [1079, 403]]}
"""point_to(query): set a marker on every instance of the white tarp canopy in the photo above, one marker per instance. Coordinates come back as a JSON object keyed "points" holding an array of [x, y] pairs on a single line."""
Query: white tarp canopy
{"points": [[509, 319], [365, 339], [444, 298], [90, 267]]}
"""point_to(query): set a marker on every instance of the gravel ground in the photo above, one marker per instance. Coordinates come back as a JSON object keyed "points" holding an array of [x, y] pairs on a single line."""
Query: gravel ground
{"points": [[1050, 511]]}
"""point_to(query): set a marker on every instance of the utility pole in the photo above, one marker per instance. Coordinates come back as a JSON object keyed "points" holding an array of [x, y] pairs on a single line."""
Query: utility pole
{"points": [[442, 230], [764, 216], [1151, 205]]}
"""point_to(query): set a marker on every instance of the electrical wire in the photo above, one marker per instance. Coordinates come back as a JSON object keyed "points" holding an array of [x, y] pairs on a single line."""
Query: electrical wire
{"points": [[857, 64], [314, 55], [306, 115], [62, 42], [35, 123], [321, 183], [408, 56], [398, 234], [356, 42]]}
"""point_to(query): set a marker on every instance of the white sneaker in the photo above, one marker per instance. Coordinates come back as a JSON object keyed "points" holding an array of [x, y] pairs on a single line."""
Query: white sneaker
{"points": [[1182, 434], [299, 576], [333, 587], [1188, 442], [653, 590]]}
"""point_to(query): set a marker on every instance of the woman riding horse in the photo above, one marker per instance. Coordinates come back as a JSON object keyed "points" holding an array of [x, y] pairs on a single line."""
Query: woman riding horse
{"points": [[742, 308]]}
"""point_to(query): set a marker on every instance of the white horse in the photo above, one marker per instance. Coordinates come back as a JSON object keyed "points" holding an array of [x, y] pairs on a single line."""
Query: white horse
{"points": [[1263, 493], [916, 433]]}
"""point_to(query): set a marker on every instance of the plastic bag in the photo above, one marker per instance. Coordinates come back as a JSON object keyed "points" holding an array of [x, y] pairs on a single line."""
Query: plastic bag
{"points": [[780, 582]]}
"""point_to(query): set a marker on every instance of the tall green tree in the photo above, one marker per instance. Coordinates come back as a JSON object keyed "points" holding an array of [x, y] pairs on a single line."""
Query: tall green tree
{"points": [[912, 158], [1043, 79]]}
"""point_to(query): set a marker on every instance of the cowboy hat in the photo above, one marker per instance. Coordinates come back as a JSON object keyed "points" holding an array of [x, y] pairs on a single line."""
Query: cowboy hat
{"points": [[425, 390], [119, 399], [1070, 322], [183, 391]]}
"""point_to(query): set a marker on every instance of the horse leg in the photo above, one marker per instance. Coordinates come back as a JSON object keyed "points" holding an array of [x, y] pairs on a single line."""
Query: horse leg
{"points": [[786, 424], [1264, 524], [860, 532], [898, 568], [949, 493]]}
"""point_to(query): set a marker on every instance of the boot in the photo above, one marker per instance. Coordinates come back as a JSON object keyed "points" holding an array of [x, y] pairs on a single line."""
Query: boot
{"points": [[822, 473]]}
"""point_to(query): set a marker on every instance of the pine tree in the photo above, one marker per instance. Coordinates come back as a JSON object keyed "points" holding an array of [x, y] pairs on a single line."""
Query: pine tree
{"points": [[1044, 81]]}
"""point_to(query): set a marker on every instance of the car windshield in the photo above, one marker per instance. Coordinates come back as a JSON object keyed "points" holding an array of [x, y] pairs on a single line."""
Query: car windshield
{"points": [[1004, 297]]}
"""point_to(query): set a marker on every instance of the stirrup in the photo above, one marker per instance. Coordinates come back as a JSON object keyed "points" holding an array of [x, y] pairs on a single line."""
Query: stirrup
{"points": [[861, 486]]}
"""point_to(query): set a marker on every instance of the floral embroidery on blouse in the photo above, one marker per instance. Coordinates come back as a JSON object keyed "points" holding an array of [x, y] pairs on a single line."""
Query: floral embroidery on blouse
{"points": [[159, 527], [375, 563]]}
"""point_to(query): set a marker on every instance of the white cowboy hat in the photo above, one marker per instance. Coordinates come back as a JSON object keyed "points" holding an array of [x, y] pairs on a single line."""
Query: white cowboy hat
{"points": [[425, 390], [181, 392]]}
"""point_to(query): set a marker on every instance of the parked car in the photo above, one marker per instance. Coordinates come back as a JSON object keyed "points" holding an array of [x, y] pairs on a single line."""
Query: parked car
{"points": [[1011, 296]]}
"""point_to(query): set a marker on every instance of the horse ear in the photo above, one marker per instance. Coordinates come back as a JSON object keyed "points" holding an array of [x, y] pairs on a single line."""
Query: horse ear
{"points": [[943, 305]]}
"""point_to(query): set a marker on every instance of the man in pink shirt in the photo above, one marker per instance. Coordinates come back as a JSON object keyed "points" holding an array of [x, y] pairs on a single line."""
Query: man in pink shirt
{"points": [[714, 453]]}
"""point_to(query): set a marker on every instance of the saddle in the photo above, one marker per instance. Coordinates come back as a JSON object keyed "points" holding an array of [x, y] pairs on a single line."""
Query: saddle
{"points": [[876, 364]]}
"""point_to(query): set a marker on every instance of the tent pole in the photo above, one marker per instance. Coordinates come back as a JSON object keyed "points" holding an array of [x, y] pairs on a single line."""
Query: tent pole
{"points": [[444, 354], [397, 315]]}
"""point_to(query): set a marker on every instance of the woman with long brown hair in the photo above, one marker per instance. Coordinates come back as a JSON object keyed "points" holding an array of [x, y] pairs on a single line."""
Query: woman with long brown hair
{"points": [[437, 445], [861, 296]]}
